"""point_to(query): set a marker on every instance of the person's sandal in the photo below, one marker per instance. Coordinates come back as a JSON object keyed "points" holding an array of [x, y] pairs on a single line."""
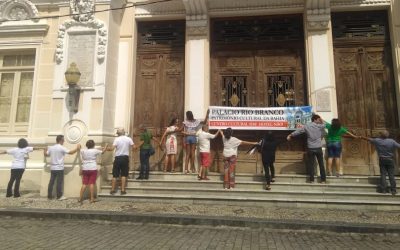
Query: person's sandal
{"points": [[267, 187]]}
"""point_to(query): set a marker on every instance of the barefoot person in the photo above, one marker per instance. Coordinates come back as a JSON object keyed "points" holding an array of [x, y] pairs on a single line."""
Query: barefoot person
{"points": [[204, 138], [89, 168], [20, 155], [171, 144], [122, 145], [191, 126], [334, 145], [231, 145], [57, 154], [385, 147]]}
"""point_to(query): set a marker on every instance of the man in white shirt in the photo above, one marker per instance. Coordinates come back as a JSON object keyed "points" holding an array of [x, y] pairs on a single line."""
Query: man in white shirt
{"points": [[122, 145], [57, 154]]}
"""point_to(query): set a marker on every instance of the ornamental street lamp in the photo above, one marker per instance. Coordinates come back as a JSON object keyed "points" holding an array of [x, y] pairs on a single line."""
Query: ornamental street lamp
{"points": [[72, 76]]}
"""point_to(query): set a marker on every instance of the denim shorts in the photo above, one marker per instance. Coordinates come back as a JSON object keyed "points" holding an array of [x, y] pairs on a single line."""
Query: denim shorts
{"points": [[334, 149], [191, 139]]}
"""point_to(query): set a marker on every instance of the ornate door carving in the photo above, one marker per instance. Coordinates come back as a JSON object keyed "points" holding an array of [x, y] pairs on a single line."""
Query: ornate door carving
{"points": [[159, 85], [260, 78], [364, 84], [259, 62], [159, 89], [366, 101]]}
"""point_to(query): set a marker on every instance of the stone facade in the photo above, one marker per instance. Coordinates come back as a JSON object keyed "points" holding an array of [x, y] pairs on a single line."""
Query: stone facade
{"points": [[105, 43]]}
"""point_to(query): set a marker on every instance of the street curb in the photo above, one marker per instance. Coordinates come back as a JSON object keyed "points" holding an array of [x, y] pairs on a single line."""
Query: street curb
{"points": [[200, 220]]}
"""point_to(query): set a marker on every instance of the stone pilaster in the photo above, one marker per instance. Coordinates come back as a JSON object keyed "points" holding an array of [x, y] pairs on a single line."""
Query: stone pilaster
{"points": [[319, 54], [92, 42], [395, 38], [197, 57]]}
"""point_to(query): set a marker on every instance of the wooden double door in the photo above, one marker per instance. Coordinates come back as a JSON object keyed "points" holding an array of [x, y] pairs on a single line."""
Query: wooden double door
{"points": [[159, 90], [260, 78], [159, 96], [366, 100]]}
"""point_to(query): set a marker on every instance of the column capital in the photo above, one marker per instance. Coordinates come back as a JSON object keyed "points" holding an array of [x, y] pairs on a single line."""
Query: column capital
{"points": [[196, 17], [318, 14]]}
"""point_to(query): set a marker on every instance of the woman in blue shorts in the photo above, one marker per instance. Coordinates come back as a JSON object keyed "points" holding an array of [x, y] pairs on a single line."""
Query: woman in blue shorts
{"points": [[191, 126], [334, 145]]}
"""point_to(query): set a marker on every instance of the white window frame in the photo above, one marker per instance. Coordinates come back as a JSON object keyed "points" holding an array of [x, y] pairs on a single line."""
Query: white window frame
{"points": [[14, 128]]}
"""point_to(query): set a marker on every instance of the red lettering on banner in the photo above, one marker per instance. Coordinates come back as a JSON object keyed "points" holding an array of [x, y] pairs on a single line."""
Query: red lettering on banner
{"points": [[271, 124]]}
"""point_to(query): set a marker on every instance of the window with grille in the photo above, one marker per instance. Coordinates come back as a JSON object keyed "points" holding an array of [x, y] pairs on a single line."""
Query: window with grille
{"points": [[234, 91], [280, 89], [16, 82]]}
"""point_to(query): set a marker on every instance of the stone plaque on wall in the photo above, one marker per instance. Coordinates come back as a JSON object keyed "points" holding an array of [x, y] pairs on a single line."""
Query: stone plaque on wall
{"points": [[81, 50], [323, 101]]}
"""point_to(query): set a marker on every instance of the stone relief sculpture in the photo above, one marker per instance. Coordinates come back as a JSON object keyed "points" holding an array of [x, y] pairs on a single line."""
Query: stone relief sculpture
{"points": [[82, 10], [82, 16], [18, 10]]}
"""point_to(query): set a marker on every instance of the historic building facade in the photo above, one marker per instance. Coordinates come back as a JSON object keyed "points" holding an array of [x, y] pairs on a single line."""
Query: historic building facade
{"points": [[145, 62]]}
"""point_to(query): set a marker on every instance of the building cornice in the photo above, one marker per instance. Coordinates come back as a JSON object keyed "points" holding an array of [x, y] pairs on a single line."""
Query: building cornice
{"points": [[359, 2]]}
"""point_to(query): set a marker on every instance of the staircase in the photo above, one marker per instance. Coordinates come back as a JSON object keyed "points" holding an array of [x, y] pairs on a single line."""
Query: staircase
{"points": [[348, 192]]}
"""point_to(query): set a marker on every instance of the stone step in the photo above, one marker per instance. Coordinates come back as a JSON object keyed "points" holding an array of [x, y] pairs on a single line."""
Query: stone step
{"points": [[286, 178], [273, 194], [255, 185], [388, 204]]}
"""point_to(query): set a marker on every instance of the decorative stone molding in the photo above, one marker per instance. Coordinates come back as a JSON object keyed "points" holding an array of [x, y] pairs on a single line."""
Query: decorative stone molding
{"points": [[83, 20], [75, 130], [82, 10], [174, 7], [240, 5], [196, 9], [196, 17], [196, 30], [21, 17], [360, 2], [318, 14], [17, 10]]}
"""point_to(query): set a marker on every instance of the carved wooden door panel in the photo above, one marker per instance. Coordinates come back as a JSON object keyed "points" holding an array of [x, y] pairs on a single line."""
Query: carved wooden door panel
{"points": [[159, 95], [159, 89], [264, 78], [366, 101]]}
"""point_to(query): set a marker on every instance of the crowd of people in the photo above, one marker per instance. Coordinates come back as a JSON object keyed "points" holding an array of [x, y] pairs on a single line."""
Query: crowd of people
{"points": [[196, 133]]}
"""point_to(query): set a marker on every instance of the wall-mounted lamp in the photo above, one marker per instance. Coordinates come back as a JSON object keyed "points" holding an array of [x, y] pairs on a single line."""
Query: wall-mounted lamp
{"points": [[72, 76]]}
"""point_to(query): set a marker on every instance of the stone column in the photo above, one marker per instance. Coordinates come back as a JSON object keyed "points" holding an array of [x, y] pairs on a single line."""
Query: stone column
{"points": [[197, 58], [319, 56], [394, 20]]}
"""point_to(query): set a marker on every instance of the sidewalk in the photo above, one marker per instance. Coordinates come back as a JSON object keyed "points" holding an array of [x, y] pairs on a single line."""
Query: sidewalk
{"points": [[115, 209]]}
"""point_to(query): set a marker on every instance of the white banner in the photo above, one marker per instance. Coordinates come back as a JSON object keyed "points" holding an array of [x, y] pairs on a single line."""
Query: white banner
{"points": [[278, 118]]}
